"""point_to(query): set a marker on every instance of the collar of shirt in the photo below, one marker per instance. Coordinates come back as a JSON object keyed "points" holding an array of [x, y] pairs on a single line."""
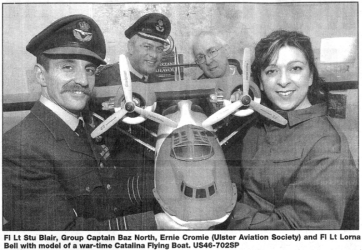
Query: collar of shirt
{"points": [[301, 115], [139, 75], [70, 119]]}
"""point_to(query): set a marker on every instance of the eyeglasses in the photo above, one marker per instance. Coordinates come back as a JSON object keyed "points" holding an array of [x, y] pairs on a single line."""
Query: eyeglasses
{"points": [[212, 53]]}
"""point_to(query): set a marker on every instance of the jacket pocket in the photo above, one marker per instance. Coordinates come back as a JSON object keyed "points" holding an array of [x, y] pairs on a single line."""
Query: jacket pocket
{"points": [[87, 196], [286, 155], [83, 184]]}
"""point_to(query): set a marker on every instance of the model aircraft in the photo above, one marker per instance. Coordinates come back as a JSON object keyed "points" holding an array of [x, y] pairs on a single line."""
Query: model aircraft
{"points": [[192, 182]]}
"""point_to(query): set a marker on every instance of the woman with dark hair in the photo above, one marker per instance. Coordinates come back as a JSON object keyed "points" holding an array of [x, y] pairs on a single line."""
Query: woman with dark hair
{"points": [[267, 49], [301, 175]]}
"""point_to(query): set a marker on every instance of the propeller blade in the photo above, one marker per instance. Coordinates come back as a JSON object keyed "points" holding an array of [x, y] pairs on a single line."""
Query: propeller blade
{"points": [[246, 71], [109, 122], [268, 113], [222, 113], [155, 117], [125, 78]]}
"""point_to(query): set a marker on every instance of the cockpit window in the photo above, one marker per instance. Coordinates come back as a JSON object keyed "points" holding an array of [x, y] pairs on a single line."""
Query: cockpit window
{"points": [[211, 190], [201, 151], [185, 151], [188, 191], [198, 193], [196, 108], [191, 144]]}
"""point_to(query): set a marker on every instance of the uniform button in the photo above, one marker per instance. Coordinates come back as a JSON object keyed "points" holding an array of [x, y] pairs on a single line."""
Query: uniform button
{"points": [[88, 189], [108, 186], [101, 165], [114, 167]]}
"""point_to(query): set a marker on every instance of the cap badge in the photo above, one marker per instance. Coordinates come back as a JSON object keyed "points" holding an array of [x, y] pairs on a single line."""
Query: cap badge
{"points": [[84, 26], [81, 34], [159, 26]]}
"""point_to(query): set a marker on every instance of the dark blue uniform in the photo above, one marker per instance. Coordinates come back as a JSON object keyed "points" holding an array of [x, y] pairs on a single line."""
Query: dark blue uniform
{"points": [[52, 180]]}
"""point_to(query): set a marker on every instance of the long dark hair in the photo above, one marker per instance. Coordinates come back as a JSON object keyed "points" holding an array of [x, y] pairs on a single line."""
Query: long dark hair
{"points": [[268, 47]]}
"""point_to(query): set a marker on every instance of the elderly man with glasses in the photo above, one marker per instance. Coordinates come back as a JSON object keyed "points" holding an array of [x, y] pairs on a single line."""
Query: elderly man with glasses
{"points": [[211, 55]]}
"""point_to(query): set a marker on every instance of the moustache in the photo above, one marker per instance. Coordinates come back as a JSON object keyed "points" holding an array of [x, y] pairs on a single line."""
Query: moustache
{"points": [[73, 88]]}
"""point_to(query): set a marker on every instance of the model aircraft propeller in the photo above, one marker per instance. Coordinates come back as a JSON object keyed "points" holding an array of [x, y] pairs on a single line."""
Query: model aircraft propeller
{"points": [[245, 100], [129, 106]]}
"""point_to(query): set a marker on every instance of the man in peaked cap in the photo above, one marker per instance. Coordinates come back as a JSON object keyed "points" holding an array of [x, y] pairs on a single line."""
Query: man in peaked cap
{"points": [[147, 37], [53, 176]]}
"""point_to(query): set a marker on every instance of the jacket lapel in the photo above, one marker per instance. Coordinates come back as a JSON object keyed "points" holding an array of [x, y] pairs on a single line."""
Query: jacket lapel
{"points": [[61, 131], [135, 78]]}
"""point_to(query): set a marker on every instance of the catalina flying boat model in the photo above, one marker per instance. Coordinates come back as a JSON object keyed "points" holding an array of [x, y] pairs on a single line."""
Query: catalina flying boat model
{"points": [[192, 182]]}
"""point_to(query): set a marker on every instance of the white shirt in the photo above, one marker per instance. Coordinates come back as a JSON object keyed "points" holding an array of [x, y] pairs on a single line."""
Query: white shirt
{"points": [[70, 119], [139, 75]]}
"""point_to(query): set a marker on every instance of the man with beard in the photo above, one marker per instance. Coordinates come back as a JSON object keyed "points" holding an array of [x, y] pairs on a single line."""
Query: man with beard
{"points": [[53, 176]]}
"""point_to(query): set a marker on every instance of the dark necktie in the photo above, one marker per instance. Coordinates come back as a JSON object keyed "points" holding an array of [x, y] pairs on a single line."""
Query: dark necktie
{"points": [[80, 129]]}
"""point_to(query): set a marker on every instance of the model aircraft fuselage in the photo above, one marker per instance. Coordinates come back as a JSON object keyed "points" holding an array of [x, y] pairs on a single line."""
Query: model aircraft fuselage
{"points": [[192, 182]]}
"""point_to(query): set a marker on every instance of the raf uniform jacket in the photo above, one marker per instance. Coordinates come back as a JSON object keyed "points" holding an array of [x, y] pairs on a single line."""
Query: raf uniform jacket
{"points": [[298, 176], [54, 180]]}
